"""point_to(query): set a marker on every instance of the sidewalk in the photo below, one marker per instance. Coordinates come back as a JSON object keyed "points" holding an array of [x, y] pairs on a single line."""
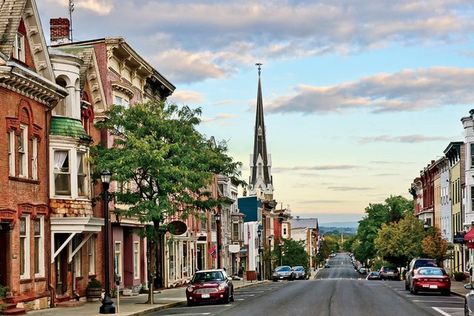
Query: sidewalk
{"points": [[134, 305], [457, 288]]}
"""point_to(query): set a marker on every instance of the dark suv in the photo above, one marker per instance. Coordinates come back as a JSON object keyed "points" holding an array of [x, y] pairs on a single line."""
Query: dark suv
{"points": [[415, 264]]}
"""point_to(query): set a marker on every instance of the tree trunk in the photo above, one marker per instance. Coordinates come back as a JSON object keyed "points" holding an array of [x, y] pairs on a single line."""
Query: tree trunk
{"points": [[151, 271]]}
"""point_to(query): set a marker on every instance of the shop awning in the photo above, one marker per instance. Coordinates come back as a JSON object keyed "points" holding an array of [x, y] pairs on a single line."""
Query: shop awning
{"points": [[469, 235]]}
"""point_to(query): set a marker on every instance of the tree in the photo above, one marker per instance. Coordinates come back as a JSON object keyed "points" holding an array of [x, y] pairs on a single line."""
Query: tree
{"points": [[398, 242], [167, 163], [291, 253], [434, 246], [394, 208]]}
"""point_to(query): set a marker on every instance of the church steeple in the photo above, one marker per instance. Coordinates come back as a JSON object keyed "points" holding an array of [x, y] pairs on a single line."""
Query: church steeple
{"points": [[260, 162]]}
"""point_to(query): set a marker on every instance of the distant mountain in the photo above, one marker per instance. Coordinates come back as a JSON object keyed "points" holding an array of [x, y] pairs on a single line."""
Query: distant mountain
{"points": [[340, 224]]}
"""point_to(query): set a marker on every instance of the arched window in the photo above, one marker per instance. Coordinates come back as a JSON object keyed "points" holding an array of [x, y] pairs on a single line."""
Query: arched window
{"points": [[60, 108]]}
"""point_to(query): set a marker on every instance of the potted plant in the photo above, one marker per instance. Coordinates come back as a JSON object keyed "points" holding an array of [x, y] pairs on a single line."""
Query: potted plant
{"points": [[3, 294], [459, 276], [94, 290]]}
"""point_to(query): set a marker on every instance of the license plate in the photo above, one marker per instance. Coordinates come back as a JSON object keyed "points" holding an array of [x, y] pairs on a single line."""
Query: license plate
{"points": [[205, 295], [433, 286]]}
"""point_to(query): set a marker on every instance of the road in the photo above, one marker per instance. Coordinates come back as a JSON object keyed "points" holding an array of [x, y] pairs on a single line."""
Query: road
{"points": [[338, 290]]}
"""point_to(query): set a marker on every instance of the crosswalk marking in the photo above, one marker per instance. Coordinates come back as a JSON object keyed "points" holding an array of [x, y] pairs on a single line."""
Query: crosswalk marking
{"points": [[441, 312]]}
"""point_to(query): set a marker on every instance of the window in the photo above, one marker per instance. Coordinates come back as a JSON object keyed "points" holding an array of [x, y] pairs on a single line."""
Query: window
{"points": [[38, 224], [121, 101], [24, 247], [19, 47], [77, 264], [472, 199], [260, 169], [11, 153], [472, 155], [60, 108], [23, 151], [81, 175], [62, 179], [91, 255], [34, 159], [136, 260], [235, 231], [118, 258]]}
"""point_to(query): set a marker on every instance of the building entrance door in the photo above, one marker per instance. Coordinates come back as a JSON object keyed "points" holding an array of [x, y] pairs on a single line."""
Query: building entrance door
{"points": [[4, 252], [61, 266]]}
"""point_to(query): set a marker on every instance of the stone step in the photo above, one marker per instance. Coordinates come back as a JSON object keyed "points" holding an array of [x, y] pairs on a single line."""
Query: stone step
{"points": [[11, 309]]}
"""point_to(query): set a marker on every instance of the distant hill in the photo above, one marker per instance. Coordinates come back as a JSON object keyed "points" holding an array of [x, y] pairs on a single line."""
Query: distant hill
{"points": [[338, 228], [340, 224]]}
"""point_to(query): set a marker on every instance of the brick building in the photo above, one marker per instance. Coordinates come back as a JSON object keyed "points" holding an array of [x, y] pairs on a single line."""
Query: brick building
{"points": [[28, 94]]}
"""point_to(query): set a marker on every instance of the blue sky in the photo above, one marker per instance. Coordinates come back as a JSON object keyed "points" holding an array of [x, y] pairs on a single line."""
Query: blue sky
{"points": [[359, 96]]}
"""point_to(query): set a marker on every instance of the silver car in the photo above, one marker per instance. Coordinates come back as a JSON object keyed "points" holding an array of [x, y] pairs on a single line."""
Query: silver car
{"points": [[299, 272], [282, 273], [469, 300]]}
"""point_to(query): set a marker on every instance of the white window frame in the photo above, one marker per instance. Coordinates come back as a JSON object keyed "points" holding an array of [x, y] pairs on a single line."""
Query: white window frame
{"points": [[34, 159], [19, 47], [11, 153], [78, 264], [39, 253], [136, 260], [60, 172], [81, 158], [23, 151], [25, 242], [91, 255], [118, 266]]}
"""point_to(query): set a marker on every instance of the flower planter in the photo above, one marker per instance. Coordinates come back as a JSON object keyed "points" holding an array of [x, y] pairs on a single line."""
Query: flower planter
{"points": [[93, 294]]}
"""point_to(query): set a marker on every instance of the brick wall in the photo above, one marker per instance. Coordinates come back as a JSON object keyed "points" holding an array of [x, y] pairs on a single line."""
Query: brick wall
{"points": [[59, 29]]}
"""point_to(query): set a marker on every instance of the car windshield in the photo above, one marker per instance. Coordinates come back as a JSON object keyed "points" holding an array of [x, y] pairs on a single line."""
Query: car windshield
{"points": [[282, 269], [208, 276], [430, 271], [298, 268]]}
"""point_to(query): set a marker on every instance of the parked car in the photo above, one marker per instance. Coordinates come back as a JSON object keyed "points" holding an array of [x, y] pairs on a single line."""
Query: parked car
{"points": [[431, 279], [327, 266], [299, 272], [282, 273], [469, 300], [414, 265], [362, 270], [373, 275], [389, 273], [210, 286]]}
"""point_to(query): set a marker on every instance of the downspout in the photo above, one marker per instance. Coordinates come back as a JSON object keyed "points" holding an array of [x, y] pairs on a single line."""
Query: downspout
{"points": [[52, 289]]}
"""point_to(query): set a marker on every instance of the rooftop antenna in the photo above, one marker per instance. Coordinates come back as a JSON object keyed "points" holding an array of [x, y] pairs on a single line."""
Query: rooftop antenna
{"points": [[71, 9]]}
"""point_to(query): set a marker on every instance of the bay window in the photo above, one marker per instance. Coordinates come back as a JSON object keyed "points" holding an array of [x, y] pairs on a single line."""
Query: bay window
{"points": [[62, 177]]}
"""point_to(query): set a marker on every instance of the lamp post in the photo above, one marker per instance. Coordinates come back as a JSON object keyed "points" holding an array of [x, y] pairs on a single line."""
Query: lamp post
{"points": [[107, 306], [259, 233], [217, 216], [270, 255]]}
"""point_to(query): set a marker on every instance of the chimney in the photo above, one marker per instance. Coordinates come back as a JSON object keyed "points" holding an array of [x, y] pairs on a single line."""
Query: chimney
{"points": [[59, 31]]}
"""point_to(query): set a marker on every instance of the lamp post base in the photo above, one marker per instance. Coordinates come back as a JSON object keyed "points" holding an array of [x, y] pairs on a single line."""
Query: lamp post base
{"points": [[107, 306]]}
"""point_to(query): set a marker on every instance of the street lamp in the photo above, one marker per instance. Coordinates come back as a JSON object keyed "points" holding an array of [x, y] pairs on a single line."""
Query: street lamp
{"points": [[107, 306], [217, 217], [259, 233], [270, 255]]}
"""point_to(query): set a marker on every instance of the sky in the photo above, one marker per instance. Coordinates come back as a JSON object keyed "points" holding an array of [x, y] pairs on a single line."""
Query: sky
{"points": [[359, 96]]}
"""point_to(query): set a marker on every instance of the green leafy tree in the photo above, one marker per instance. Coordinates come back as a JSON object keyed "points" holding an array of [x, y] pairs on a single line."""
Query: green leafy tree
{"points": [[167, 163], [392, 211], [292, 253], [434, 246], [398, 242]]}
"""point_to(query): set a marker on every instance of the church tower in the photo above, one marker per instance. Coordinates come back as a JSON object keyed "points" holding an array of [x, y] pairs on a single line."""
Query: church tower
{"points": [[261, 180]]}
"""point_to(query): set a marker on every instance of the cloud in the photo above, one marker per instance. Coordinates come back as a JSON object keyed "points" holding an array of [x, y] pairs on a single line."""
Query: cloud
{"points": [[101, 7], [410, 139], [186, 97], [349, 188], [314, 168], [407, 90], [219, 118], [220, 37]]}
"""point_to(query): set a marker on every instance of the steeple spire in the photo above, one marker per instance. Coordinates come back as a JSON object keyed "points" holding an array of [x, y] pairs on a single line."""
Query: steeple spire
{"points": [[260, 162]]}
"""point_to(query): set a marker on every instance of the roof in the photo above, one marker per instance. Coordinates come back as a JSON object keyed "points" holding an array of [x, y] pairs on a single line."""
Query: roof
{"points": [[65, 126], [309, 222], [11, 12]]}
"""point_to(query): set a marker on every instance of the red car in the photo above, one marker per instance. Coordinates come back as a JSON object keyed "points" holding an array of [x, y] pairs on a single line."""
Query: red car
{"points": [[210, 286], [430, 279]]}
